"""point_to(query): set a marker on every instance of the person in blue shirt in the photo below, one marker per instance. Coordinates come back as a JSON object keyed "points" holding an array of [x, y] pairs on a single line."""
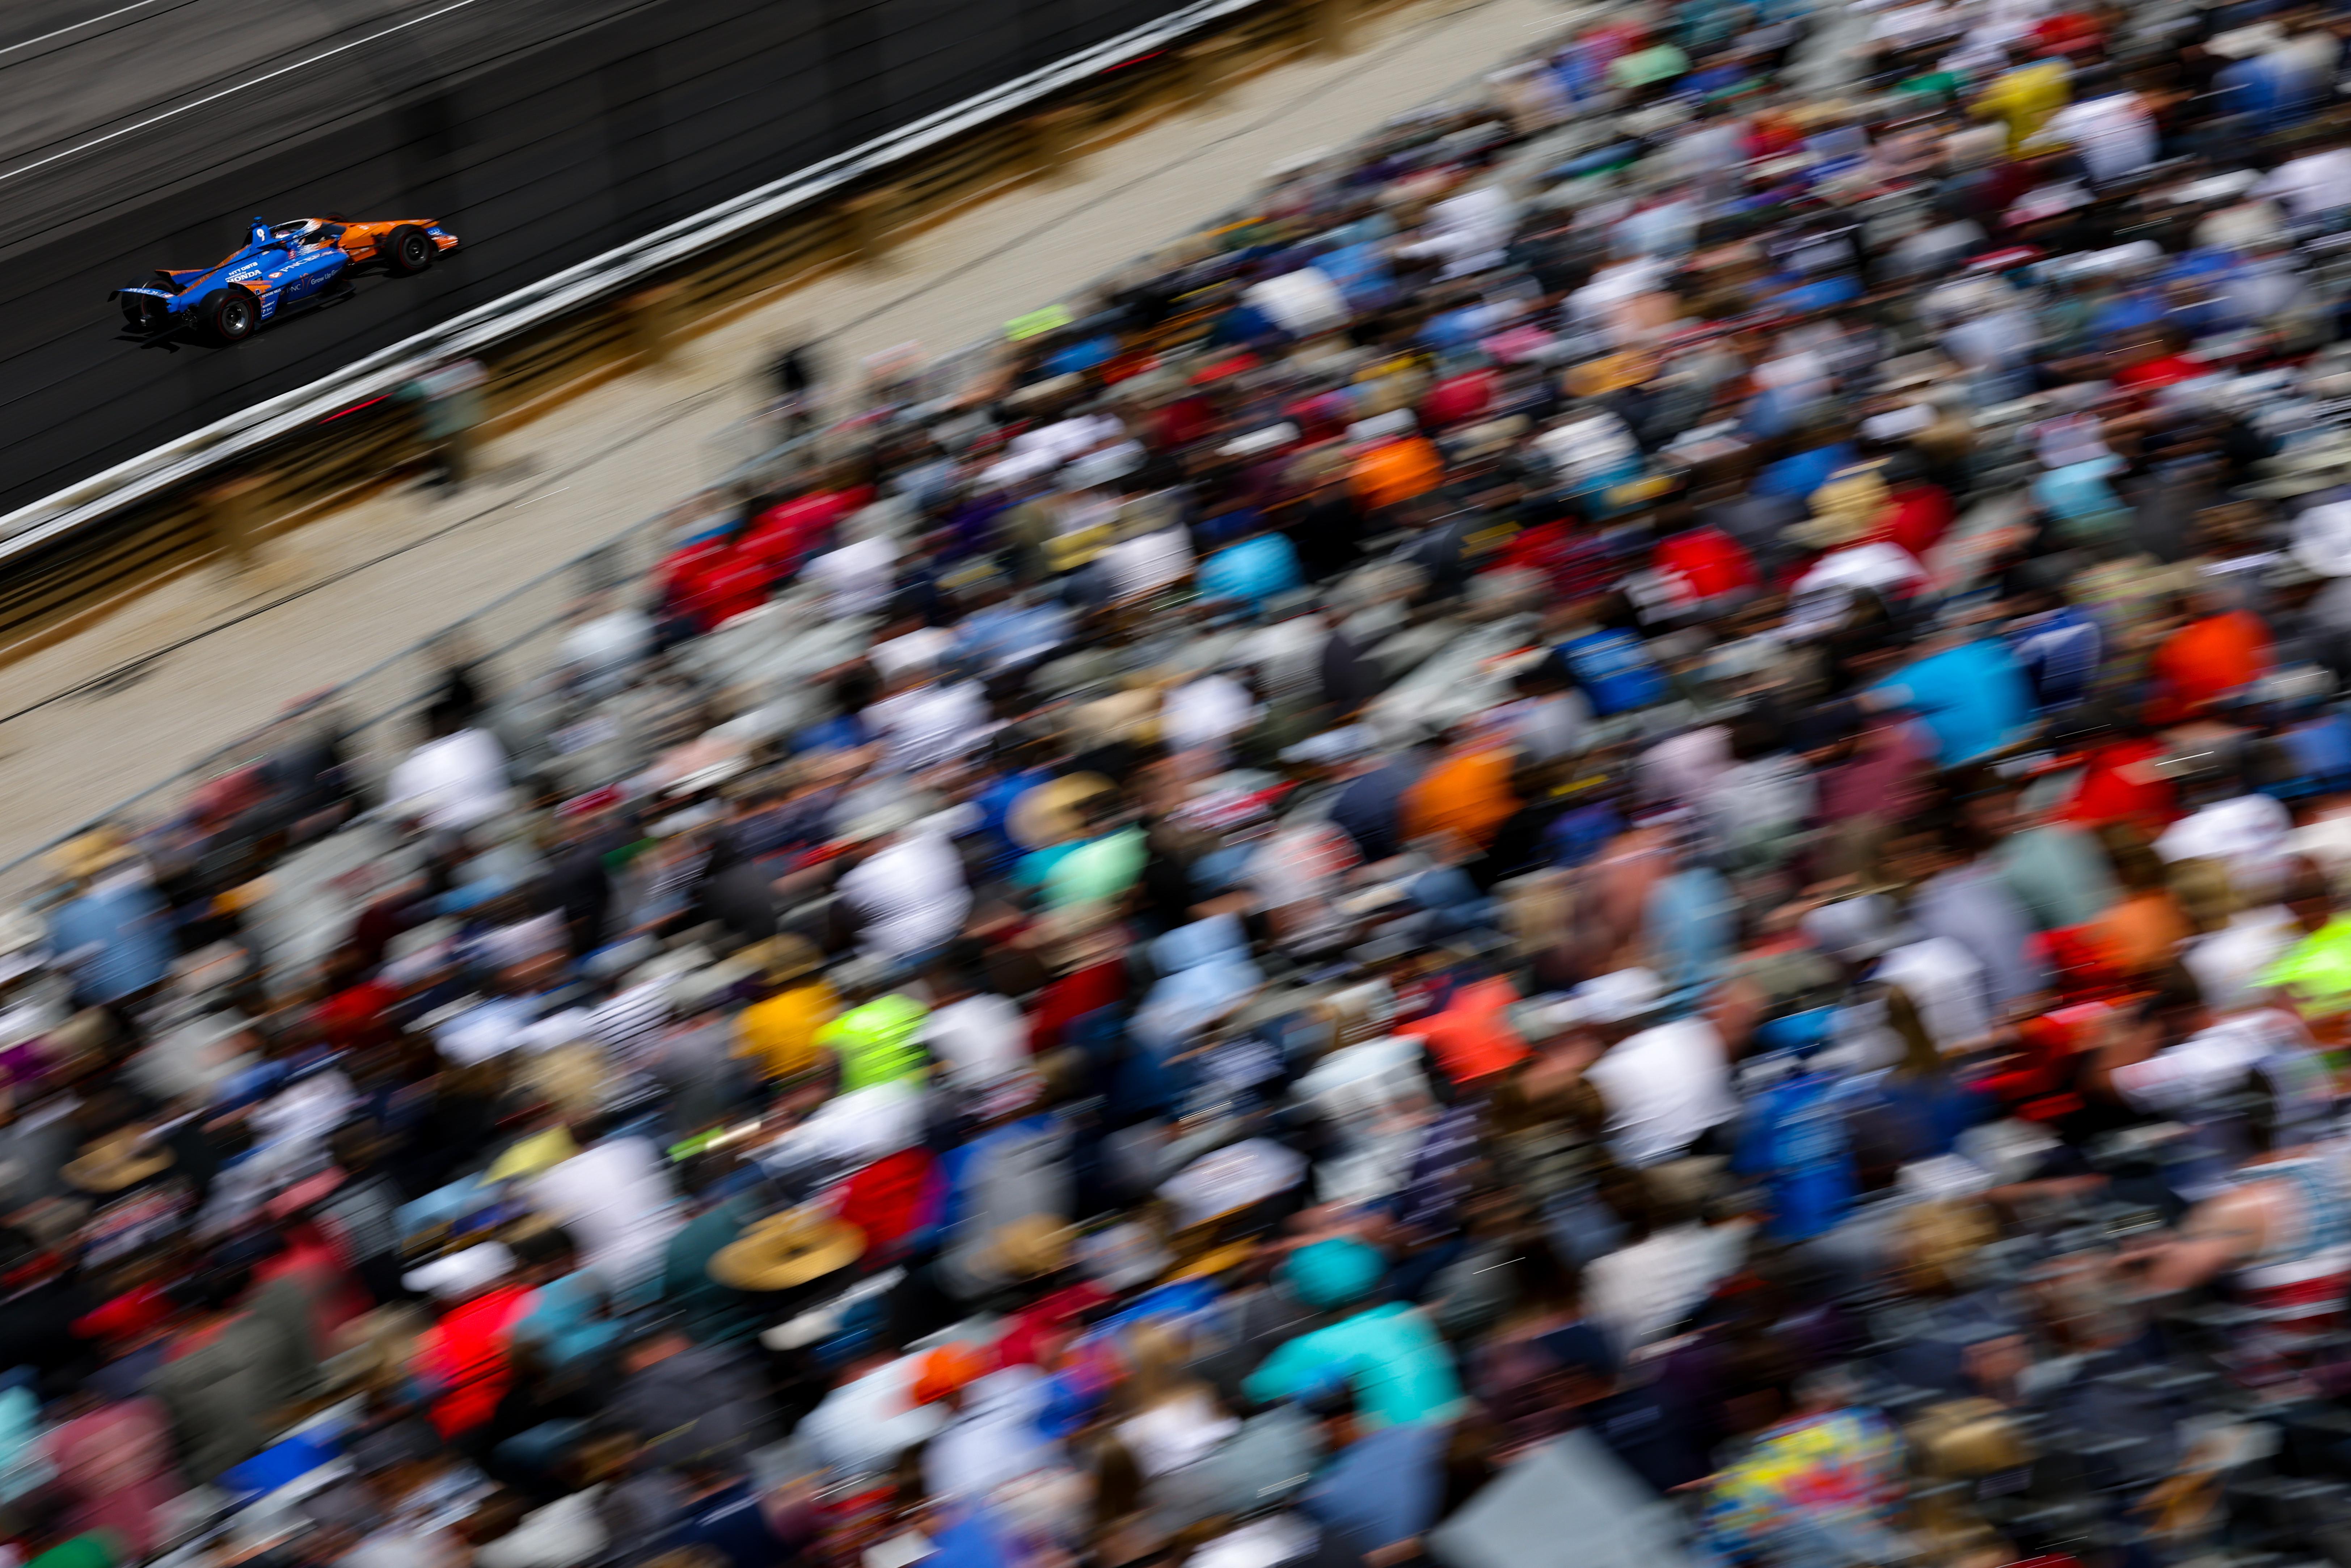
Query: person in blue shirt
{"points": [[727, 1517], [114, 933], [1612, 664], [1968, 689], [1802, 473], [2058, 647]]}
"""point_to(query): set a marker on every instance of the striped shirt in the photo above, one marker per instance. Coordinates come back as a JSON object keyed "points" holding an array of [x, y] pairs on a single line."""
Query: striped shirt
{"points": [[631, 1023], [360, 1217]]}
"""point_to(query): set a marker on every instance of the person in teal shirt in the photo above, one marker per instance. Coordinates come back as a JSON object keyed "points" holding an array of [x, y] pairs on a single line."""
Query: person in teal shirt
{"points": [[1390, 1355]]}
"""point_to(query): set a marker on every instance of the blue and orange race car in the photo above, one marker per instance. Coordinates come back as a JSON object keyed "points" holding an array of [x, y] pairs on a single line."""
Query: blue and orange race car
{"points": [[281, 268]]}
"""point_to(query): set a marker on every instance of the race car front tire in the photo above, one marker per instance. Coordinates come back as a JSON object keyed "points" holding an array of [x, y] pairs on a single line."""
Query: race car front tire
{"points": [[228, 315], [408, 250]]}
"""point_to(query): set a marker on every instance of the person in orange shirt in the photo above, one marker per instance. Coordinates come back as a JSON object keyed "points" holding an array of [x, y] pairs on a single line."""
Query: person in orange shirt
{"points": [[2138, 934], [1467, 793], [2218, 651], [1395, 470]]}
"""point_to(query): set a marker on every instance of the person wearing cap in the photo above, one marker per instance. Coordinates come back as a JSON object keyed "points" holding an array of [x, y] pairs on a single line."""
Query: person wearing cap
{"points": [[462, 1360], [872, 1413], [993, 1435]]}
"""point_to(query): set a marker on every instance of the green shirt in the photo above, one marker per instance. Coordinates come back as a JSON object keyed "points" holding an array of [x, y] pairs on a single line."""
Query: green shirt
{"points": [[1655, 63], [91, 1551], [2317, 970], [2058, 874], [878, 1042], [1401, 1371], [1100, 870]]}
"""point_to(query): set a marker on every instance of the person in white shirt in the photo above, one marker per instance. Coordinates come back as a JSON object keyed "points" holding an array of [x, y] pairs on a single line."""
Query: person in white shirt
{"points": [[991, 1437], [1943, 981], [976, 1037], [456, 779], [1145, 560], [2313, 184], [1376, 1101], [2109, 129], [1203, 715], [908, 893], [869, 1418], [1637, 1294], [1665, 1081], [2249, 833], [616, 1196], [858, 575]]}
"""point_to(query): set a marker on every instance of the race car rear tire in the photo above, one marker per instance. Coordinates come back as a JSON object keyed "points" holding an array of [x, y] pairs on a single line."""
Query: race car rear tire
{"points": [[228, 315], [408, 250], [144, 312]]}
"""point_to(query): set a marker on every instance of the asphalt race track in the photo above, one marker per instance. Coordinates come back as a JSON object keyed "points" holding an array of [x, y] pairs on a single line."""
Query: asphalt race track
{"points": [[144, 133]]}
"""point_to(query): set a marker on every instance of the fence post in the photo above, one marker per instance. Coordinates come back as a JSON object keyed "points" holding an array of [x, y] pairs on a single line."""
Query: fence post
{"points": [[228, 509], [1208, 69], [1334, 26], [654, 322], [1053, 138], [870, 224]]}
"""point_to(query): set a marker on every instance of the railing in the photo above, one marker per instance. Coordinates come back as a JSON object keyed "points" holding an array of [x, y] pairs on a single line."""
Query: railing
{"points": [[614, 274]]}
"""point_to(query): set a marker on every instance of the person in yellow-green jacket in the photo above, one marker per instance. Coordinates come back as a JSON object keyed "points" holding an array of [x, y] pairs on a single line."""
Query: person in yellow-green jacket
{"points": [[877, 1039], [2316, 972]]}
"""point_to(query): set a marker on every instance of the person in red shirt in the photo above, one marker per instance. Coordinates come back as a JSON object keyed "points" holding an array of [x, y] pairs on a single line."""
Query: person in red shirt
{"points": [[1918, 513], [1706, 562], [735, 582], [783, 535], [1472, 1039], [465, 1358], [1457, 400], [356, 1012], [2157, 361], [2121, 783]]}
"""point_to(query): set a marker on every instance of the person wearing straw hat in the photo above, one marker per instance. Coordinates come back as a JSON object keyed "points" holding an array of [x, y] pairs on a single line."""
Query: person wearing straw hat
{"points": [[787, 1250]]}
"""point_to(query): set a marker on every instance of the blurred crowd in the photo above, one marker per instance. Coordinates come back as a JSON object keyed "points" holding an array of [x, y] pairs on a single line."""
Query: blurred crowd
{"points": [[1618, 834]]}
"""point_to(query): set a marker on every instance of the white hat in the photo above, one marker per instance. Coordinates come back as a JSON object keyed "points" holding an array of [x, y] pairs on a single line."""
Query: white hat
{"points": [[2322, 539], [1613, 999], [461, 1273], [2251, 39]]}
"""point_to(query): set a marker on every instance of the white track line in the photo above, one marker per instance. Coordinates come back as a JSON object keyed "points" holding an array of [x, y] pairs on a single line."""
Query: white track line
{"points": [[76, 26], [216, 97]]}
